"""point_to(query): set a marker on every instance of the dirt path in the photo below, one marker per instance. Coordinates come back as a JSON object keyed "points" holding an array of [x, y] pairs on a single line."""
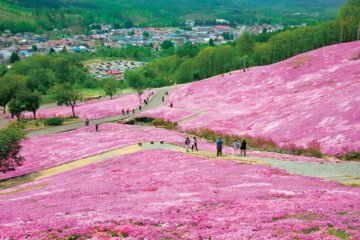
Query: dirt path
{"points": [[346, 173]]}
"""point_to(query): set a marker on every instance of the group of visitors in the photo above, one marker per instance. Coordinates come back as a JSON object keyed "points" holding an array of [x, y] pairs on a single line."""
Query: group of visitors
{"points": [[194, 145], [238, 149], [236, 146]]}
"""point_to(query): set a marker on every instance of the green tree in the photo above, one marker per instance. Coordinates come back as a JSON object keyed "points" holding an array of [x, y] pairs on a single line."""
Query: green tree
{"points": [[110, 86], [10, 147], [128, 24], [67, 94], [10, 84], [3, 70], [245, 45], [211, 43], [34, 48], [166, 44], [52, 50], [16, 107], [14, 58], [146, 34], [29, 100], [136, 81]]}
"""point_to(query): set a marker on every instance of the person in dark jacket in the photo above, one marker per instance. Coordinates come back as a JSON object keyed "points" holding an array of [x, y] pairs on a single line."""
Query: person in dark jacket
{"points": [[194, 145], [243, 148], [219, 145], [187, 144]]}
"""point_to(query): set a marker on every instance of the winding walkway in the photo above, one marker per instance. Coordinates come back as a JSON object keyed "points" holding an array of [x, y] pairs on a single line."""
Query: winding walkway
{"points": [[345, 173], [154, 102]]}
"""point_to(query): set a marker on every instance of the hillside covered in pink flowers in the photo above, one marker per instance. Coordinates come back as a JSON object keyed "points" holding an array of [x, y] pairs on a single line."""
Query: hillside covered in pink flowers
{"points": [[313, 96]]}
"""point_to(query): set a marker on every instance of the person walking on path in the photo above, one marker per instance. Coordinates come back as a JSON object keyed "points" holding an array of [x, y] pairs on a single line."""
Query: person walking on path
{"points": [[243, 148], [87, 122], [163, 99], [187, 144], [194, 145], [123, 112], [219, 145], [235, 147], [139, 107], [97, 127], [133, 111]]}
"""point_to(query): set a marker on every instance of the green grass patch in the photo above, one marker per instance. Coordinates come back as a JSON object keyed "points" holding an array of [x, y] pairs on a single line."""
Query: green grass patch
{"points": [[338, 233], [310, 230]]}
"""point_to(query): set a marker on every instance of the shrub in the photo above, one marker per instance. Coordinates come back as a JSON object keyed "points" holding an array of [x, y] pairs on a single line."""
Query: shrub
{"points": [[164, 124], [313, 149], [10, 147], [55, 121], [352, 156]]}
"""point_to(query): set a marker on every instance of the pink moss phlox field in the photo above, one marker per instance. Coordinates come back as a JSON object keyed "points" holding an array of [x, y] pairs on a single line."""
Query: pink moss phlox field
{"points": [[168, 114], [313, 96], [48, 151], [95, 109], [158, 194]]}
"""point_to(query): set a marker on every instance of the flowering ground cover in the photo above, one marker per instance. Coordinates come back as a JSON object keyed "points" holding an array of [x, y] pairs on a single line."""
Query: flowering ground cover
{"points": [[313, 96], [43, 152], [168, 114], [158, 194], [96, 109]]}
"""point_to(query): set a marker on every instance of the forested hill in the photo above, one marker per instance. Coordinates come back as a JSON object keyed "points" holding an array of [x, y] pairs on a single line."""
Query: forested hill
{"points": [[43, 14]]}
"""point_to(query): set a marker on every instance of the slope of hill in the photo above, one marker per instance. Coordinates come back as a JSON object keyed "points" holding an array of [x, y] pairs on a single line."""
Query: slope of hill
{"points": [[313, 96], [151, 193]]}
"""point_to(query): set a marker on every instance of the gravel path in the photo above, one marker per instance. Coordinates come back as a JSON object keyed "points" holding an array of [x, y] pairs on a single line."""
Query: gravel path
{"points": [[345, 172]]}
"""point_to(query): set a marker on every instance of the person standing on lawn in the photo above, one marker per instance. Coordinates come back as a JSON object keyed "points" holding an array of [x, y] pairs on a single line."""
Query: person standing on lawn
{"points": [[243, 148], [97, 127], [219, 145], [235, 147], [187, 144], [194, 145]]}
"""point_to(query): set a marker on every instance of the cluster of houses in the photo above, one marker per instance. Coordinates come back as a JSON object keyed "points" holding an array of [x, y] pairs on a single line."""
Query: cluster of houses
{"points": [[28, 44], [153, 37]]}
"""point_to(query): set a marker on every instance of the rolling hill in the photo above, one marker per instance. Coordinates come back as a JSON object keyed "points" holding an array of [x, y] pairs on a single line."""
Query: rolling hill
{"points": [[312, 96]]}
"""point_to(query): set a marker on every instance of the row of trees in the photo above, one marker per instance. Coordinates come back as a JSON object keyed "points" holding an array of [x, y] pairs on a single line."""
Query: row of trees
{"points": [[191, 63], [22, 86]]}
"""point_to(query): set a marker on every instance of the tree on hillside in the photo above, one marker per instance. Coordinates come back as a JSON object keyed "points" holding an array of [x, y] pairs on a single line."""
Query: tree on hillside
{"points": [[211, 43], [128, 24], [136, 81], [14, 58], [146, 34], [30, 101], [3, 70], [349, 19], [16, 107], [62, 69], [34, 48], [52, 50], [245, 45], [109, 86], [68, 95], [10, 147], [166, 44], [9, 86]]}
